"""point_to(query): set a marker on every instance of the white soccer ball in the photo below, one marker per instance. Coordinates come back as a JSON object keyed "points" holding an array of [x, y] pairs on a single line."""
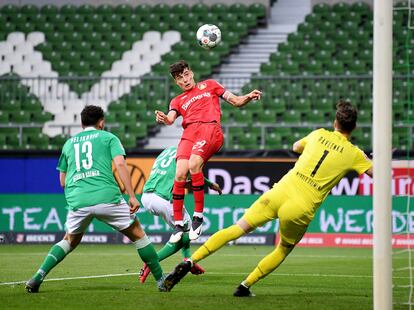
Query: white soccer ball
{"points": [[208, 36]]}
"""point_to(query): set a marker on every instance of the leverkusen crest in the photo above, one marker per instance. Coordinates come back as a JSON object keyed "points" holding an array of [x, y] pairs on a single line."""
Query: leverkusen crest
{"points": [[202, 86]]}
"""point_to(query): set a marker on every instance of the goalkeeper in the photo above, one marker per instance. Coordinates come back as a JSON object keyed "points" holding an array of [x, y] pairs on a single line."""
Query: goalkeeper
{"points": [[326, 157], [157, 197]]}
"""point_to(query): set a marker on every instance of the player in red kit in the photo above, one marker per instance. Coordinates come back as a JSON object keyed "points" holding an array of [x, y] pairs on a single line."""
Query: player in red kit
{"points": [[202, 137]]}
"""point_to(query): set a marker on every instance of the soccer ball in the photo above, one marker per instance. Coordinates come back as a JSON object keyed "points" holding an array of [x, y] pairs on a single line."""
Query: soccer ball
{"points": [[208, 36]]}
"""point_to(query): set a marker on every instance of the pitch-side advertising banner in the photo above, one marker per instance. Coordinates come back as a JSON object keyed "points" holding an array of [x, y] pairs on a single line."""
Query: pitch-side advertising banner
{"points": [[234, 175], [340, 221]]}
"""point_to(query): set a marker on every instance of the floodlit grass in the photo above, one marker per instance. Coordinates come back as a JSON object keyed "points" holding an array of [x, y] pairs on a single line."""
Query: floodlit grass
{"points": [[310, 278]]}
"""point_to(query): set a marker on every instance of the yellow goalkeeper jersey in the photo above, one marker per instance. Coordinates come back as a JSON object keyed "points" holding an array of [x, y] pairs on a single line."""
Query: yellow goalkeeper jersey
{"points": [[326, 158]]}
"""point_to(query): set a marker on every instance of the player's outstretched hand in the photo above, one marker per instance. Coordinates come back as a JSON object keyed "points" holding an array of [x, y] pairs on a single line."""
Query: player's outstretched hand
{"points": [[133, 204], [255, 94], [160, 117], [216, 187]]}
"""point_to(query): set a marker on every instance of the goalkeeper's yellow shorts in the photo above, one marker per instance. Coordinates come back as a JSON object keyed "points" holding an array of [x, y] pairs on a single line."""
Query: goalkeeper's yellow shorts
{"points": [[293, 213]]}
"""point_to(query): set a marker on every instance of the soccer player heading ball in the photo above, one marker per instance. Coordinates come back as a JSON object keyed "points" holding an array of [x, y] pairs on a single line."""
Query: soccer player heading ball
{"points": [[202, 137]]}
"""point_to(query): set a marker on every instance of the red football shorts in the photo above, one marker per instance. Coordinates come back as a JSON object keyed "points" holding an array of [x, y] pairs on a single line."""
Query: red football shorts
{"points": [[203, 139]]}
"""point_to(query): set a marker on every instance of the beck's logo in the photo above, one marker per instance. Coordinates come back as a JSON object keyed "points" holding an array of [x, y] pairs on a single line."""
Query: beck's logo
{"points": [[201, 86]]}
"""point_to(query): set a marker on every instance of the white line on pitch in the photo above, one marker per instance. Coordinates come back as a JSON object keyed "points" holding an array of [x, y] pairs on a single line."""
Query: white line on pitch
{"points": [[207, 274], [218, 254]]}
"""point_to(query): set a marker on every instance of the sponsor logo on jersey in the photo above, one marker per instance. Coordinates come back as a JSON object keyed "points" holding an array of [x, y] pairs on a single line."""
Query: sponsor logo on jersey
{"points": [[194, 99], [201, 86]]}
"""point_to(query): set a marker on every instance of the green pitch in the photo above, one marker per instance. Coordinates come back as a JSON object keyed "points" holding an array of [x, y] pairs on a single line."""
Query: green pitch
{"points": [[105, 277]]}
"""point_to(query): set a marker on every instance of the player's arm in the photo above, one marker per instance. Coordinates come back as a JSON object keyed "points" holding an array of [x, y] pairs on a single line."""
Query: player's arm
{"points": [[298, 147], [62, 178], [166, 119], [123, 172], [370, 172], [240, 101]]}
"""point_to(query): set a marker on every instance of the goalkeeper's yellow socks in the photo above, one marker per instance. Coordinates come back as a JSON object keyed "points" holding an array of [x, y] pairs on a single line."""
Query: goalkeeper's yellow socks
{"points": [[56, 254], [149, 256], [216, 241], [267, 264]]}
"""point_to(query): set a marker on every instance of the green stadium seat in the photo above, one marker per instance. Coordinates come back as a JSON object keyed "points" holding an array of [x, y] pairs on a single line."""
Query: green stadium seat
{"points": [[31, 104], [86, 9], [2, 140], [200, 8], [321, 8], [38, 139], [13, 140], [350, 26], [49, 10], [9, 9], [4, 117], [341, 7], [42, 117], [302, 105], [258, 9], [313, 18], [243, 116], [104, 9], [267, 117], [20, 117], [147, 117], [29, 9], [139, 130], [180, 9], [68, 9], [291, 117], [316, 117], [249, 140], [360, 7], [129, 140]]}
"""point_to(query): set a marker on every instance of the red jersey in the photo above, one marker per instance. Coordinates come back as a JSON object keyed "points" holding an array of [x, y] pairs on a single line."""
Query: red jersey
{"points": [[199, 104]]}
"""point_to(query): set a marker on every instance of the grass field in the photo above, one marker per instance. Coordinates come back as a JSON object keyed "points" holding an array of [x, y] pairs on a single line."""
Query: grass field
{"points": [[105, 277]]}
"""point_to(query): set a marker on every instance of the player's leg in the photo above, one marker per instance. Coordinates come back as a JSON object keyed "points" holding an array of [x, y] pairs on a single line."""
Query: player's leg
{"points": [[208, 141], [145, 250], [184, 243], [196, 163], [119, 217], [293, 225], [76, 223], [258, 214], [179, 188]]}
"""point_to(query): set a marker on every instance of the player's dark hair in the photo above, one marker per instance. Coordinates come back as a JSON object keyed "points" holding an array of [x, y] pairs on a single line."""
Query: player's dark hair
{"points": [[346, 116], [178, 67], [91, 115]]}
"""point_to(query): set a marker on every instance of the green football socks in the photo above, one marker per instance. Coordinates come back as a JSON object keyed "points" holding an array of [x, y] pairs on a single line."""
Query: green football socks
{"points": [[56, 254], [185, 250], [170, 248], [149, 256]]}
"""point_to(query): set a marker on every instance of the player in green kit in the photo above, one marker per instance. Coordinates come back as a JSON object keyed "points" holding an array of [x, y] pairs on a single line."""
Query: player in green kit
{"points": [[326, 157], [157, 199], [91, 191]]}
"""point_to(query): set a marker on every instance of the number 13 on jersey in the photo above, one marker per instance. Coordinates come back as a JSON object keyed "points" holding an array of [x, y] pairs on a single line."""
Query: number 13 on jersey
{"points": [[84, 149]]}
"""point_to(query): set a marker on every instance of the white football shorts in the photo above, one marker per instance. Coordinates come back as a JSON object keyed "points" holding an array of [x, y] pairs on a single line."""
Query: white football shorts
{"points": [[115, 215], [161, 207]]}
